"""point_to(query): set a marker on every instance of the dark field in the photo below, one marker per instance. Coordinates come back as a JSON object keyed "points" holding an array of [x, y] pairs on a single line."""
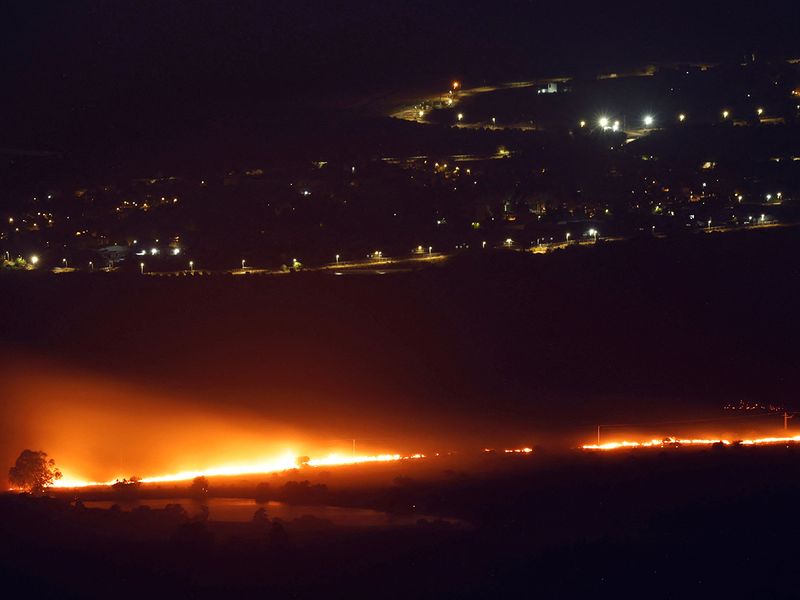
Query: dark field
{"points": [[498, 350], [665, 524], [495, 349]]}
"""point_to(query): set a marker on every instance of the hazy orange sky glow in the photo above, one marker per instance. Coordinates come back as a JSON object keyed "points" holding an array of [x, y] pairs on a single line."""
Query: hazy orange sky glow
{"points": [[98, 429]]}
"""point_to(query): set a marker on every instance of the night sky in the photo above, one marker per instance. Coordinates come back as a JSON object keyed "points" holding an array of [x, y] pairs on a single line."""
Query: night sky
{"points": [[83, 75]]}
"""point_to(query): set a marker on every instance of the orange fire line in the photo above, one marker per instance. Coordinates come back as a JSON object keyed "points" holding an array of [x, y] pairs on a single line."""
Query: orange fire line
{"points": [[670, 441]]}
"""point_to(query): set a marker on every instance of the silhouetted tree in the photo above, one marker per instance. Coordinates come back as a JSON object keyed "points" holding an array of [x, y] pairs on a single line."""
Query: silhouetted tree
{"points": [[277, 535], [303, 492], [199, 487], [33, 471], [202, 516], [261, 521], [193, 534], [127, 487], [177, 512], [263, 492]]}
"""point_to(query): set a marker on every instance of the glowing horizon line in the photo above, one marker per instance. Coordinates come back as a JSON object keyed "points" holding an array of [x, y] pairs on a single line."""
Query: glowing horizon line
{"points": [[285, 463], [655, 443]]}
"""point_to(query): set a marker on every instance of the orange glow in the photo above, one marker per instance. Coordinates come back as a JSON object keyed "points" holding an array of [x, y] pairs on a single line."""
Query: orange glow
{"points": [[671, 441], [525, 450], [283, 463]]}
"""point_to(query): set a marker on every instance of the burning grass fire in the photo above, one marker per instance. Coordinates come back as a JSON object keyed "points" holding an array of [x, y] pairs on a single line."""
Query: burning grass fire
{"points": [[672, 442], [283, 463]]}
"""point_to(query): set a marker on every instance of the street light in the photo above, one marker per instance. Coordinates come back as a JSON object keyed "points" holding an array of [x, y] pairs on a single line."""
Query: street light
{"points": [[648, 120], [34, 259], [141, 268], [725, 114], [242, 264], [681, 117], [460, 116], [430, 250], [603, 122], [191, 266], [583, 123], [64, 260], [760, 111], [91, 266], [568, 236], [337, 259], [593, 233]]}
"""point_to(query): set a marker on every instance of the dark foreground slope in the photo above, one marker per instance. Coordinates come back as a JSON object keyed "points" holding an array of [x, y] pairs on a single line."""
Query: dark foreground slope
{"points": [[665, 524]]}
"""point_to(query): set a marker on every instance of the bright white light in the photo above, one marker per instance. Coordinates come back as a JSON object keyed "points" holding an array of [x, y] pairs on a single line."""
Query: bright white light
{"points": [[34, 259], [460, 116], [153, 251], [681, 117], [725, 114], [760, 111], [603, 122], [648, 120], [615, 126], [176, 251]]}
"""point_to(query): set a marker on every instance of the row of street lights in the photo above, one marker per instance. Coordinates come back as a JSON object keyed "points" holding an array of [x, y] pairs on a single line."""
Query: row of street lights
{"points": [[649, 120]]}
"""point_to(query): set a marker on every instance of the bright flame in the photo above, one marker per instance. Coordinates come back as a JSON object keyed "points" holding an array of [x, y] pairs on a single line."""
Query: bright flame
{"points": [[670, 441], [283, 463]]}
